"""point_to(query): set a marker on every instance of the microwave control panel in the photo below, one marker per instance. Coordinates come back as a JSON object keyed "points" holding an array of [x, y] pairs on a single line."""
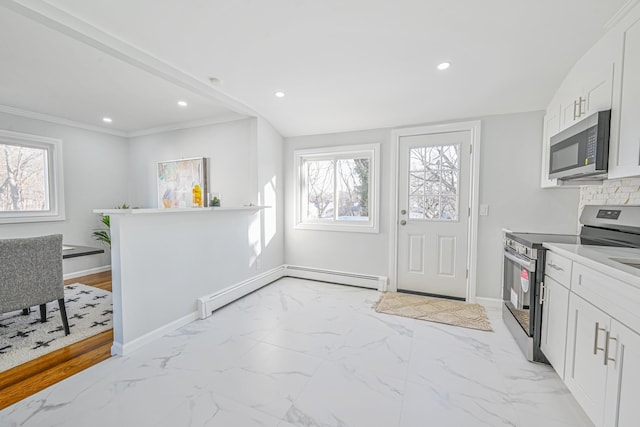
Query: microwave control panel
{"points": [[592, 146]]}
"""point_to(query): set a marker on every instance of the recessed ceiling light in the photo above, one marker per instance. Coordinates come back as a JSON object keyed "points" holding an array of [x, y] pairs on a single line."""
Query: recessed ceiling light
{"points": [[444, 65], [107, 119], [279, 94], [182, 104]]}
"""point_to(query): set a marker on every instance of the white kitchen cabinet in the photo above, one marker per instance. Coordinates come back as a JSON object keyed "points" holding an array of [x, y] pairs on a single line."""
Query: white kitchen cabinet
{"points": [[623, 377], [551, 127], [593, 78], [553, 338], [585, 371], [625, 133]]}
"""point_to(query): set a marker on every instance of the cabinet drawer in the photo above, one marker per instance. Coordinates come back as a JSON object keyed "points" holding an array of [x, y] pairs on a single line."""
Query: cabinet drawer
{"points": [[618, 299], [558, 267]]}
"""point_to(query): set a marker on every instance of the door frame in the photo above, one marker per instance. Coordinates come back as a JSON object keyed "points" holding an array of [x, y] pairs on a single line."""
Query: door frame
{"points": [[474, 127]]}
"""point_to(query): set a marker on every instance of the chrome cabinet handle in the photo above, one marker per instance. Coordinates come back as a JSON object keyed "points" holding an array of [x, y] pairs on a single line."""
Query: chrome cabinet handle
{"points": [[582, 101], [555, 267], [608, 359], [595, 341], [541, 292], [575, 110]]}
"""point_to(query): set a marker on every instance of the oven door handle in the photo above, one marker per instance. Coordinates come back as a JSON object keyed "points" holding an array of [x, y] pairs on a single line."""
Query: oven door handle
{"points": [[529, 265]]}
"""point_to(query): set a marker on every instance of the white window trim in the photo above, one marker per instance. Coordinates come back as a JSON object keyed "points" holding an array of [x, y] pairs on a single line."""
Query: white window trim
{"points": [[371, 150], [55, 176]]}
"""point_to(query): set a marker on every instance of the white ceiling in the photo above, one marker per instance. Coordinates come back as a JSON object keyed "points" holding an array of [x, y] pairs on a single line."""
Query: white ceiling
{"points": [[343, 64]]}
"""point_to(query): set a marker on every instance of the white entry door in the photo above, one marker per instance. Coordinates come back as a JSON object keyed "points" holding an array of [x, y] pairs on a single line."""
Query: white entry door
{"points": [[433, 195]]}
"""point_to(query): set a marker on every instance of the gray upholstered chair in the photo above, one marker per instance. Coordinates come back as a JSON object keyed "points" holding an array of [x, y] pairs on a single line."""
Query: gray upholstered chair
{"points": [[31, 274]]}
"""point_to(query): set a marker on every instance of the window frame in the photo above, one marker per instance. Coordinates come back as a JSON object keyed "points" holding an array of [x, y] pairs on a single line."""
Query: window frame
{"points": [[369, 151], [53, 147]]}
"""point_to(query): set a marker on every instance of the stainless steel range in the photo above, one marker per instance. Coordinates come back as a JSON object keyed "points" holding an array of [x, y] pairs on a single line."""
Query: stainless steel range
{"points": [[524, 263]]}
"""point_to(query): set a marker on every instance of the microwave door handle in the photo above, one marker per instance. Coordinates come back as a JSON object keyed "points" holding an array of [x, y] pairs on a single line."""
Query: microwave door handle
{"points": [[531, 265]]}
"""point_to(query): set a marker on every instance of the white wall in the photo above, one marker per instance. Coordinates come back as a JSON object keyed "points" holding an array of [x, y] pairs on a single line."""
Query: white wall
{"points": [[509, 184], [227, 145], [163, 262], [364, 253], [95, 175], [269, 147]]}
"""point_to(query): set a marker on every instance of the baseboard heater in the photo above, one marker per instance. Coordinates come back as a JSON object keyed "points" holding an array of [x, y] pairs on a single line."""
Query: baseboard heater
{"points": [[340, 277], [208, 304]]}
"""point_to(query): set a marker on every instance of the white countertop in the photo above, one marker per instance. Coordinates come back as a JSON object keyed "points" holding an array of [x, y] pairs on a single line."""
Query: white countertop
{"points": [[602, 259], [177, 210]]}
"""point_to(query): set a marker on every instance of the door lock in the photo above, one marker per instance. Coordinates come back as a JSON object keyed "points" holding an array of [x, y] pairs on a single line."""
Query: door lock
{"points": [[403, 222], [403, 212]]}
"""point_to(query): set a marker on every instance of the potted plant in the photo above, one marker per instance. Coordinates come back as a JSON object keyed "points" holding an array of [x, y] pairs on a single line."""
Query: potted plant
{"points": [[103, 235]]}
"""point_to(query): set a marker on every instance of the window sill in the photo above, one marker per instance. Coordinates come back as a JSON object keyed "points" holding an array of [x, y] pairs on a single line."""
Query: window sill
{"points": [[347, 228]]}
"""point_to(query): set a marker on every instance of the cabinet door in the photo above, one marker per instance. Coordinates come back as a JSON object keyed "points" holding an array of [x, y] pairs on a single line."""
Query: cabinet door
{"points": [[554, 323], [628, 153], [598, 91], [623, 381], [585, 372]]}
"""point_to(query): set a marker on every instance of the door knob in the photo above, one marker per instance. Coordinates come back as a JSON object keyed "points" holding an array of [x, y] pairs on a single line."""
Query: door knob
{"points": [[403, 222]]}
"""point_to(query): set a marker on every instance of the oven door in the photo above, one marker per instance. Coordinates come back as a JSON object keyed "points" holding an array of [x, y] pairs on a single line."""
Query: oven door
{"points": [[519, 289]]}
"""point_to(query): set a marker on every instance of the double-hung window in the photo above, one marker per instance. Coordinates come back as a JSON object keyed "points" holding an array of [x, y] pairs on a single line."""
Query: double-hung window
{"points": [[337, 188], [30, 178]]}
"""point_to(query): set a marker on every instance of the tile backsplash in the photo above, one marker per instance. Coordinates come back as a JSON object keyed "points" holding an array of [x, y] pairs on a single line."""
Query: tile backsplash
{"points": [[625, 191]]}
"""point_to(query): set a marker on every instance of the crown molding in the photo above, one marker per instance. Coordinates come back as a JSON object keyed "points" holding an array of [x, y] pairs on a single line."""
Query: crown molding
{"points": [[231, 117], [63, 22], [225, 118], [58, 120], [621, 13]]}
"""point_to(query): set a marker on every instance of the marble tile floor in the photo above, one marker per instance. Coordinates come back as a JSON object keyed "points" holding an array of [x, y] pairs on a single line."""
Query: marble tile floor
{"points": [[304, 353]]}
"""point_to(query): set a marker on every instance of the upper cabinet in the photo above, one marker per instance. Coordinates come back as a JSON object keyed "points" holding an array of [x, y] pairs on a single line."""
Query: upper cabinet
{"points": [[551, 127], [606, 77], [624, 154], [592, 84]]}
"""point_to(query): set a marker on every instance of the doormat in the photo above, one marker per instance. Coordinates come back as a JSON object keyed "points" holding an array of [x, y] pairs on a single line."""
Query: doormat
{"points": [[24, 338], [438, 310]]}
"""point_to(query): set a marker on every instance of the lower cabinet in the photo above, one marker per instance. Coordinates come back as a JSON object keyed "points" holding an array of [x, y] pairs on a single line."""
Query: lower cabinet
{"points": [[602, 367], [623, 378], [553, 336], [585, 371]]}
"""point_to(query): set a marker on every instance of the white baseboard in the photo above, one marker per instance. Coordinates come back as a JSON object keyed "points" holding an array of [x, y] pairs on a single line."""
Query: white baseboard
{"points": [[210, 303], [130, 347], [340, 277], [489, 302], [86, 272]]}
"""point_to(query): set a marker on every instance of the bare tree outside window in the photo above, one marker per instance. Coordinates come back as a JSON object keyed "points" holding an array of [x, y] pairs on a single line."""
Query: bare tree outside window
{"points": [[341, 183], [433, 182], [320, 187], [353, 201], [23, 179]]}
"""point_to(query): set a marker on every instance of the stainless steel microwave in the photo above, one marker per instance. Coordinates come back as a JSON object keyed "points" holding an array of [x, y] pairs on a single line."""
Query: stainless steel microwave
{"points": [[582, 150]]}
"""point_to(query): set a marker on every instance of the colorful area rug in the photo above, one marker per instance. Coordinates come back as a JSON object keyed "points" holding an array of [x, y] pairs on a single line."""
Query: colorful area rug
{"points": [[439, 310], [23, 338]]}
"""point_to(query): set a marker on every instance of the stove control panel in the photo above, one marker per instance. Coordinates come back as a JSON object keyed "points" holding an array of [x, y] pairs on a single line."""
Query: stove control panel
{"points": [[520, 249], [608, 214]]}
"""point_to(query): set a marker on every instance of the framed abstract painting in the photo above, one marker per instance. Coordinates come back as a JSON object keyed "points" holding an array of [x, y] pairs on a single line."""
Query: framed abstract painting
{"points": [[182, 183]]}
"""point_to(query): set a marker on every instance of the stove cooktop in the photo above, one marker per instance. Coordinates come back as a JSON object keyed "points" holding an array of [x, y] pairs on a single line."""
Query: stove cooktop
{"points": [[535, 240]]}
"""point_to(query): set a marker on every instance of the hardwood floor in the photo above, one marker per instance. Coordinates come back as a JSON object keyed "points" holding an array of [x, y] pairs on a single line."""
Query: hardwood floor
{"points": [[31, 377]]}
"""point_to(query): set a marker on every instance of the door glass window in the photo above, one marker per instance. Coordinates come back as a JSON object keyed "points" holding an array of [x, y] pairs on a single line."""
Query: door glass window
{"points": [[434, 173]]}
